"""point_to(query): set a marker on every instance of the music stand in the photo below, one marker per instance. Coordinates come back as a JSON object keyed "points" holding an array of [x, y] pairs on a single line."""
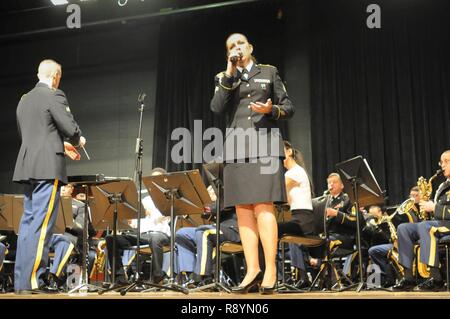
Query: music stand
{"points": [[110, 200], [363, 190], [13, 205], [178, 193], [6, 212], [214, 174]]}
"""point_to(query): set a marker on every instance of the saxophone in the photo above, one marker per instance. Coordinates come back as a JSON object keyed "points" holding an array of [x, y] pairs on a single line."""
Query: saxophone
{"points": [[393, 253], [425, 190]]}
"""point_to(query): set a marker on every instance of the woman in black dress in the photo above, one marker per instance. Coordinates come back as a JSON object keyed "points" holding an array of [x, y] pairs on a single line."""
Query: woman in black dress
{"points": [[254, 99]]}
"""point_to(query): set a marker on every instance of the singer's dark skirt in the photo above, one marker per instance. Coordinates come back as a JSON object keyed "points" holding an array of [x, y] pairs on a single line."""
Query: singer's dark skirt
{"points": [[245, 184]]}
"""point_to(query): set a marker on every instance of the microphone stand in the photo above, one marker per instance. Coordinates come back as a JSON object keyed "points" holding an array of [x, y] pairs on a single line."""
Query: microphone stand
{"points": [[139, 150]]}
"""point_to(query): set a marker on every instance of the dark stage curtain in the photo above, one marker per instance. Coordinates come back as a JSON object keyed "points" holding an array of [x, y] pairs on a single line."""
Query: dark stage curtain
{"points": [[381, 93], [191, 53]]}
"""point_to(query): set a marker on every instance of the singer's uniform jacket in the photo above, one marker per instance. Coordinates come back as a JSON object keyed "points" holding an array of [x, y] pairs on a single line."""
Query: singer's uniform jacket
{"points": [[195, 244], [44, 121], [244, 183], [427, 233]]}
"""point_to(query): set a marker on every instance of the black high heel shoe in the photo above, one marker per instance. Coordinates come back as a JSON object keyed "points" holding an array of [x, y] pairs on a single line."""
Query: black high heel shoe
{"points": [[244, 289], [268, 290]]}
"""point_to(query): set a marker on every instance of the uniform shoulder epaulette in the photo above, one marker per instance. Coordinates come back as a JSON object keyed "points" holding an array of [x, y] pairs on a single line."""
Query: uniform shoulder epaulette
{"points": [[269, 65], [23, 95]]}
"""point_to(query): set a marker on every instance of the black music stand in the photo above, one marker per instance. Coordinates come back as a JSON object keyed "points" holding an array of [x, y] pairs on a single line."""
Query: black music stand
{"points": [[214, 174], [363, 190], [178, 193], [110, 200]]}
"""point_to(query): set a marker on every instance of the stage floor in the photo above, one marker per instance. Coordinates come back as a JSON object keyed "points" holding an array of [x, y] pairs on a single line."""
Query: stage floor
{"points": [[218, 295]]}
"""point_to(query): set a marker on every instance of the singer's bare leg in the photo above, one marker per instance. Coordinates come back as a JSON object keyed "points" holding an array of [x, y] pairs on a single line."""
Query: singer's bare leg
{"points": [[268, 232], [248, 230]]}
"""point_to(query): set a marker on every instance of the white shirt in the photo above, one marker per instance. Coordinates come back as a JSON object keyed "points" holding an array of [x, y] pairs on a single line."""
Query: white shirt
{"points": [[299, 196], [248, 68], [156, 221]]}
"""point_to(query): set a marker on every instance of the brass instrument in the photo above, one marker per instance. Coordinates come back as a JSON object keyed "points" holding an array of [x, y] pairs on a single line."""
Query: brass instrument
{"points": [[425, 190], [404, 208], [100, 260]]}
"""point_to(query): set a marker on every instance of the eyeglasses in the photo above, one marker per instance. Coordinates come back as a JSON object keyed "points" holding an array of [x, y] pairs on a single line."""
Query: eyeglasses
{"points": [[441, 163]]}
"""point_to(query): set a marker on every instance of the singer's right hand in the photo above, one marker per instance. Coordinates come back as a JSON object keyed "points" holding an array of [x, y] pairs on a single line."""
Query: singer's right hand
{"points": [[233, 58]]}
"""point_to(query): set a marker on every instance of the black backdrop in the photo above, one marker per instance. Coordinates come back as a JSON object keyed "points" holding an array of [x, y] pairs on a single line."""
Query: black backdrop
{"points": [[382, 93]]}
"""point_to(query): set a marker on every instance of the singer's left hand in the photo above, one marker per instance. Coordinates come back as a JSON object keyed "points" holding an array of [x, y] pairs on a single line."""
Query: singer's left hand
{"points": [[263, 108], [71, 151]]}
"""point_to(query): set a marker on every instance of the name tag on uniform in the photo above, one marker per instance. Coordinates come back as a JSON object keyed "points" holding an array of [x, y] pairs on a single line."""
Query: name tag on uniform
{"points": [[262, 81]]}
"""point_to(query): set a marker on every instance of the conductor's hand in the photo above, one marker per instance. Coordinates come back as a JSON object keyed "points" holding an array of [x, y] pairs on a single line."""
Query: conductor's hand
{"points": [[263, 108], [82, 142], [71, 151]]}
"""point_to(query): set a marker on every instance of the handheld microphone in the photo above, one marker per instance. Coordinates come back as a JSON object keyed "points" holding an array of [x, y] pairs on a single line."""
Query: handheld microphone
{"points": [[235, 58]]}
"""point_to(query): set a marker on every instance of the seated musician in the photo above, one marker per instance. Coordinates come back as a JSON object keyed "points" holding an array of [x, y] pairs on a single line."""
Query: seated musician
{"points": [[3, 252], [426, 233], [63, 244], [302, 223], [155, 231], [195, 246], [340, 220], [380, 253]]}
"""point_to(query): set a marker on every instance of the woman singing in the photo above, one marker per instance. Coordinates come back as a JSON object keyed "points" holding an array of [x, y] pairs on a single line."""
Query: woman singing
{"points": [[254, 99]]}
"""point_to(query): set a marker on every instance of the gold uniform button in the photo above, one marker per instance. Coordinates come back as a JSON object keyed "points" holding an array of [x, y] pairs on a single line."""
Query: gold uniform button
{"points": [[249, 107], [249, 118], [248, 85], [249, 95]]}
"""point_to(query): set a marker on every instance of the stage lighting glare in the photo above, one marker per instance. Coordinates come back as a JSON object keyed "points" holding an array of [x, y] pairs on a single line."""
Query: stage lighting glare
{"points": [[59, 2]]}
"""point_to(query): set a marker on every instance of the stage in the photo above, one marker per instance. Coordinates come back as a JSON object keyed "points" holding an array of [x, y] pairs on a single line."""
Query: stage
{"points": [[348, 295]]}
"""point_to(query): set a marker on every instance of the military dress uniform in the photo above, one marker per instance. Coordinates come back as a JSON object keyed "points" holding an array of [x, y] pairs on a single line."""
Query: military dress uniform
{"points": [[379, 253], [3, 252], [64, 244], [247, 157], [426, 232], [44, 120], [195, 244]]}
